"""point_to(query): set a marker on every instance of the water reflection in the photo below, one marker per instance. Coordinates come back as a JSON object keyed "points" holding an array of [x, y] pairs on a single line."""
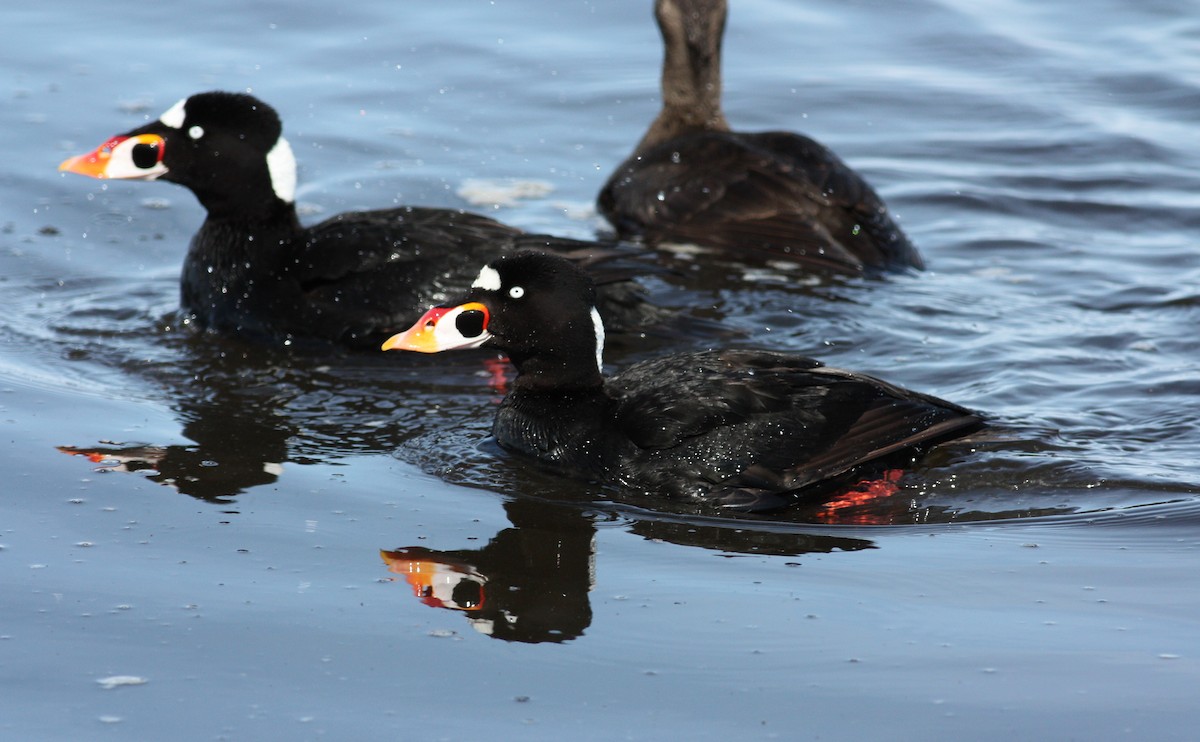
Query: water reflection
{"points": [[530, 583], [215, 471], [246, 412]]}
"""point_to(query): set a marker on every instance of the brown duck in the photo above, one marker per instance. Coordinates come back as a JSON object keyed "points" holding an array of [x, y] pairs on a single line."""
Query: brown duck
{"points": [[692, 180]]}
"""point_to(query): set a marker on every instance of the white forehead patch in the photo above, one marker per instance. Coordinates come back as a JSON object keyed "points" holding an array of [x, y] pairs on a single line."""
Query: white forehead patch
{"points": [[489, 279], [281, 164], [598, 325], [175, 115]]}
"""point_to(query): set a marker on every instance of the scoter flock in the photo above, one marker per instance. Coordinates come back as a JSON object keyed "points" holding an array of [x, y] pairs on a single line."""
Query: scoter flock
{"points": [[253, 270], [718, 430]]}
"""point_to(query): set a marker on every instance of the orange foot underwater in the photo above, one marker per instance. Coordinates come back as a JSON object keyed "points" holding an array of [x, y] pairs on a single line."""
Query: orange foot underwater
{"points": [[864, 492]]}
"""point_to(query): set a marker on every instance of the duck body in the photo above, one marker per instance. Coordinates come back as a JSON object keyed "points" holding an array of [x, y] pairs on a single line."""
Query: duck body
{"points": [[746, 430], [352, 279], [769, 194], [777, 195], [736, 429], [254, 271]]}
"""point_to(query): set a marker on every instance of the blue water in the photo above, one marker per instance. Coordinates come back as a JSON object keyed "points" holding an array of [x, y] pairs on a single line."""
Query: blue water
{"points": [[221, 548]]}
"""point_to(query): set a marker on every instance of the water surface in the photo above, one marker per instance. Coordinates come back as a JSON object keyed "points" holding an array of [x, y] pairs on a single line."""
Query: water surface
{"points": [[242, 529]]}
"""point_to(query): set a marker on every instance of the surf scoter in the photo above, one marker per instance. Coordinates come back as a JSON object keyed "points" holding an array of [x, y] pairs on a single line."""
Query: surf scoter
{"points": [[741, 429], [254, 271], [692, 180]]}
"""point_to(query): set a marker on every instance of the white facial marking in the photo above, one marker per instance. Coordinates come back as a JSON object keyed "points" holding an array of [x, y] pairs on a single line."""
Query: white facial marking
{"points": [[196, 132], [489, 279], [122, 165], [448, 336], [516, 292], [281, 164], [598, 324], [175, 115]]}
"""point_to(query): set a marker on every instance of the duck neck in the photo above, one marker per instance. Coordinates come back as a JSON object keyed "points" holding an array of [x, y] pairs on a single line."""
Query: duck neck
{"points": [[226, 255], [574, 365], [691, 75], [241, 209], [249, 231], [229, 238], [556, 373]]}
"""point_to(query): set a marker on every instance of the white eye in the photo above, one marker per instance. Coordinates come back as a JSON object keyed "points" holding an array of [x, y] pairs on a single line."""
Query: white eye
{"points": [[195, 132], [516, 292]]}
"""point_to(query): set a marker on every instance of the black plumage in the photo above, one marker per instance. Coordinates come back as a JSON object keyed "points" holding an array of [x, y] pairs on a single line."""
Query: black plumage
{"points": [[742, 429], [254, 271]]}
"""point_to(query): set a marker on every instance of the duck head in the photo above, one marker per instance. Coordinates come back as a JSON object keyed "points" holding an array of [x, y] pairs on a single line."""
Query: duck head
{"points": [[227, 148], [538, 309]]}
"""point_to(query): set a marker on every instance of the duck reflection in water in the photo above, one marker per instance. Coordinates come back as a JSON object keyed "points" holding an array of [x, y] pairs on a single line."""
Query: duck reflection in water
{"points": [[245, 413], [236, 447], [530, 583], [197, 471]]}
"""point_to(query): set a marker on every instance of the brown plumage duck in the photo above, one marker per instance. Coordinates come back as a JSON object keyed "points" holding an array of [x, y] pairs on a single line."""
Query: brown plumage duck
{"points": [[692, 180]]}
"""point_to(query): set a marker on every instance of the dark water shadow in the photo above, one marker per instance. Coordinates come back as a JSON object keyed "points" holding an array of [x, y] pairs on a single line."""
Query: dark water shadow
{"points": [[531, 582], [245, 411]]}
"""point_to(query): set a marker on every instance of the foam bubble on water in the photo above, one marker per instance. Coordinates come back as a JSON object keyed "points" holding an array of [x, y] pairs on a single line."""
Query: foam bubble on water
{"points": [[497, 192], [117, 681], [156, 203], [577, 211]]}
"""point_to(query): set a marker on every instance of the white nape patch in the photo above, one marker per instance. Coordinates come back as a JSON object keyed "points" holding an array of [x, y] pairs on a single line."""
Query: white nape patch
{"points": [[598, 324], [489, 279], [502, 191], [196, 132], [516, 292], [281, 164], [175, 115]]}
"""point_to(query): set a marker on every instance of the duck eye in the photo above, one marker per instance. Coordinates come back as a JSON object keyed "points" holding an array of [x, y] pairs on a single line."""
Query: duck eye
{"points": [[470, 323], [516, 292], [196, 132], [145, 156]]}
